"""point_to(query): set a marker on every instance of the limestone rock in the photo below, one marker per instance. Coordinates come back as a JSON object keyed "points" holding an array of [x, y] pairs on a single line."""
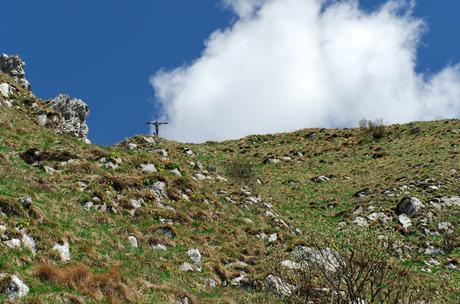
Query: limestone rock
{"points": [[12, 286], [63, 249], [404, 220], [14, 66], [361, 222], [73, 112], [325, 258], [133, 241], [149, 168]]}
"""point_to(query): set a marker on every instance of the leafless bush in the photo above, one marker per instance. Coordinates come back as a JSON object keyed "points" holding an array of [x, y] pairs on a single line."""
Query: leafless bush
{"points": [[353, 271], [373, 128]]}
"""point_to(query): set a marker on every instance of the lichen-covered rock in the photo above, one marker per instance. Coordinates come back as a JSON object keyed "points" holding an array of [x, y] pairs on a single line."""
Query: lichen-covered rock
{"points": [[14, 66], [12, 286], [73, 113]]}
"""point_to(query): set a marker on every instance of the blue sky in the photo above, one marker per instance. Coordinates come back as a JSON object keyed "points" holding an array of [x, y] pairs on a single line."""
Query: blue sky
{"points": [[105, 51]]}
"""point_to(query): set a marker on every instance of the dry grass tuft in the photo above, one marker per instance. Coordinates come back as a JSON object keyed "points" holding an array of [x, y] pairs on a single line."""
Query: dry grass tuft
{"points": [[102, 287]]}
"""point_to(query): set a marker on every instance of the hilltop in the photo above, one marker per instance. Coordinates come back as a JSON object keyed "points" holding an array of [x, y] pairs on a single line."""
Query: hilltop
{"points": [[327, 215]]}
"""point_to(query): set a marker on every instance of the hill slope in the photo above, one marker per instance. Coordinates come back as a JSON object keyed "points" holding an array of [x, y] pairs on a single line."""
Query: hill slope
{"points": [[154, 221]]}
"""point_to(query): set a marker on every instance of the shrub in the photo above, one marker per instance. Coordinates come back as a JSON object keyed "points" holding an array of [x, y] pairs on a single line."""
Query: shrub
{"points": [[355, 269], [240, 169], [373, 128]]}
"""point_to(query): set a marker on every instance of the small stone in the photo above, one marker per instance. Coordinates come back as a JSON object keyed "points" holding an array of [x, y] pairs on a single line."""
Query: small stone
{"points": [[28, 242], [49, 170], [133, 241], [211, 283], [446, 227], [176, 172], [159, 247], [273, 161], [64, 250], [132, 146], [405, 220], [273, 238], [195, 256], [320, 179], [380, 216], [361, 222], [26, 201], [200, 176], [149, 168], [186, 267]]}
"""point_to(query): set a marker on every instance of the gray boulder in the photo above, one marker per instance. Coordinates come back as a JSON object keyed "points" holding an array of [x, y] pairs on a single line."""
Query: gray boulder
{"points": [[409, 206], [73, 112], [14, 66]]}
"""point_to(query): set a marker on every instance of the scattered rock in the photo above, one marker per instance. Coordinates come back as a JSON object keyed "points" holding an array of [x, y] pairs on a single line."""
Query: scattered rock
{"points": [[277, 286], [361, 222], [404, 220], [159, 247], [133, 241], [63, 249], [26, 202], [363, 193], [326, 258], [13, 243], [176, 172], [380, 216], [12, 286], [446, 227], [410, 206], [272, 238], [195, 256], [320, 179], [186, 267], [149, 168]]}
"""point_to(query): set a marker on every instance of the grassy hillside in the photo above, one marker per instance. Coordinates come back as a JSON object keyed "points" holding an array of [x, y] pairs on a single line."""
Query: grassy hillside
{"points": [[244, 205]]}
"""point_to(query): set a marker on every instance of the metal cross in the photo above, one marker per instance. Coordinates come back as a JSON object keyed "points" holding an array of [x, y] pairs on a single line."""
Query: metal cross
{"points": [[157, 125]]}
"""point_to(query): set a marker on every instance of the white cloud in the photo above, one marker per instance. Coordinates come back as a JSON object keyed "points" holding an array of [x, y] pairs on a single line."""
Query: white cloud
{"points": [[291, 64]]}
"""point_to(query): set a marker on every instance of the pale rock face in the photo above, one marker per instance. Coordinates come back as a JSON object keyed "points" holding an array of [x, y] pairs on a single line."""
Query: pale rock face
{"points": [[74, 113], [28, 242], [42, 120], [273, 238], [12, 286], [64, 250], [14, 66], [326, 258]]}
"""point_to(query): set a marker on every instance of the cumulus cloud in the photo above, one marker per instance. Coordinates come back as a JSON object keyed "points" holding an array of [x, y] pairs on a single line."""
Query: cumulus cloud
{"points": [[290, 64]]}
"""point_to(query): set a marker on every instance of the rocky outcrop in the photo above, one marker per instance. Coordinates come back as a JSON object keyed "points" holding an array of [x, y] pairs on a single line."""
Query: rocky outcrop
{"points": [[73, 115], [14, 66]]}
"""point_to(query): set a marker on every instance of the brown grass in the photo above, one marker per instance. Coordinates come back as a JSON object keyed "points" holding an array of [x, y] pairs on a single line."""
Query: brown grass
{"points": [[107, 287]]}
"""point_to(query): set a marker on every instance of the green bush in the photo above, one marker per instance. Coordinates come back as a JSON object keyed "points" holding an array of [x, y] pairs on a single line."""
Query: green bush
{"points": [[240, 170], [373, 128]]}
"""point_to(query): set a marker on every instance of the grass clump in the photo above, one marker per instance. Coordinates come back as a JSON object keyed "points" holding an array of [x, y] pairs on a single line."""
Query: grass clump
{"points": [[375, 129], [240, 170]]}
